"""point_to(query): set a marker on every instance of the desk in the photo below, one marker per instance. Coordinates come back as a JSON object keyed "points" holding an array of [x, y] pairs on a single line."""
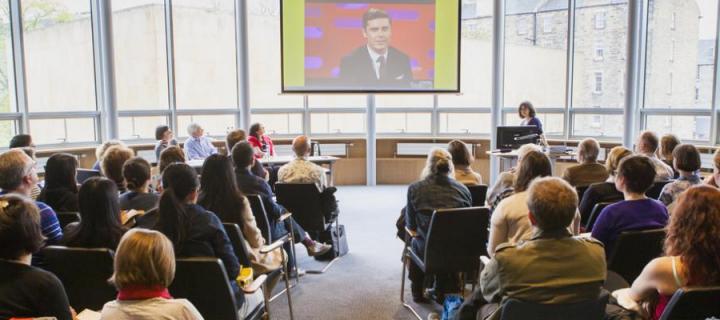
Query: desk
{"points": [[281, 160], [509, 159]]}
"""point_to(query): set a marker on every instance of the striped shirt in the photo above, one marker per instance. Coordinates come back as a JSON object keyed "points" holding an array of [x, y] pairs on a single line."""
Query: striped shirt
{"points": [[49, 224]]}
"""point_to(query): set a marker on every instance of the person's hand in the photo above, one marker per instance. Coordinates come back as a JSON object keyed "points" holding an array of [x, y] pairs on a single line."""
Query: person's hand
{"points": [[73, 313]]}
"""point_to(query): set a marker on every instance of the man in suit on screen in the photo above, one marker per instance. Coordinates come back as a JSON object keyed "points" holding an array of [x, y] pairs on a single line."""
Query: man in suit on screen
{"points": [[376, 65]]}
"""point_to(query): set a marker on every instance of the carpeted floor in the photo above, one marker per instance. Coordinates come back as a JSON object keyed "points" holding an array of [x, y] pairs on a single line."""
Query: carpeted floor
{"points": [[365, 284]]}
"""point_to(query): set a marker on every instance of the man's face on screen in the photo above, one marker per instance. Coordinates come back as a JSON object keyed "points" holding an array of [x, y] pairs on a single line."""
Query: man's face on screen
{"points": [[378, 33]]}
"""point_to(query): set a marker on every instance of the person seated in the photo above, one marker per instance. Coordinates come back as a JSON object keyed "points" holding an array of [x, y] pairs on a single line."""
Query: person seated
{"points": [[248, 183], [691, 255], [589, 171], [261, 143], [462, 159], [647, 144], [100, 222], [637, 212], [144, 268], [300, 170], [136, 172], [604, 191], [198, 146], [687, 163], [21, 141], [238, 135], [101, 149], [219, 193], [172, 154], [36, 190], [436, 189], [552, 267], [112, 163], [668, 142], [506, 179], [164, 137], [714, 179], [26, 291], [61, 187]]}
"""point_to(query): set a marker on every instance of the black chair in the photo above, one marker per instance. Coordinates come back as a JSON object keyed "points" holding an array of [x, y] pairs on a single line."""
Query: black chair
{"points": [[693, 303], [478, 194], [456, 238], [263, 223], [84, 174], [514, 309], [84, 272], [581, 191], [654, 191], [66, 218], [634, 250], [595, 214]]}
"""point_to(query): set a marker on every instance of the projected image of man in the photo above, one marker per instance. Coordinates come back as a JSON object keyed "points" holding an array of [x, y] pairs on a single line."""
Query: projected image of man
{"points": [[376, 64]]}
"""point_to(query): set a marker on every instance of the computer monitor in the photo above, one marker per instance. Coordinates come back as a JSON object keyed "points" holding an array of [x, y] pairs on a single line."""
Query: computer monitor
{"points": [[512, 137]]}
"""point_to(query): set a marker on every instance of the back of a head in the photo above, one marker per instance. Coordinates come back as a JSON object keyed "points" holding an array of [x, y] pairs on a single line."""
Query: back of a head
{"points": [[301, 145], [113, 161], [648, 142], [192, 128], [144, 258], [219, 192], [638, 172], [170, 155], [160, 131], [21, 141], [686, 158], [14, 166], [588, 150], [233, 137], [668, 142], [60, 171], [20, 231], [99, 212], [136, 172], [243, 155], [439, 162], [524, 149], [552, 202], [614, 157], [101, 149], [460, 153], [533, 165], [179, 180]]}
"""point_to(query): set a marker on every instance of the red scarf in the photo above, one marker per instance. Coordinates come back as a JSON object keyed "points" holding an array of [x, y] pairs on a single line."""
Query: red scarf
{"points": [[143, 292]]}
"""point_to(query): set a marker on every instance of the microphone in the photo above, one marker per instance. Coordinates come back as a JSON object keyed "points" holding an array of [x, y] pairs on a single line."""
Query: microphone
{"points": [[527, 137]]}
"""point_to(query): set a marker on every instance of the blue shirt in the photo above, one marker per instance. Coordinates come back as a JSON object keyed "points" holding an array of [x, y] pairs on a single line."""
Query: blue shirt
{"points": [[199, 148], [625, 216], [534, 121]]}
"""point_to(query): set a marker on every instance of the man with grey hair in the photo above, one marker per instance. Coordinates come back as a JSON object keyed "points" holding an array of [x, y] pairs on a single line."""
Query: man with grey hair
{"points": [[552, 267], [647, 144], [300, 170], [197, 145], [589, 171]]}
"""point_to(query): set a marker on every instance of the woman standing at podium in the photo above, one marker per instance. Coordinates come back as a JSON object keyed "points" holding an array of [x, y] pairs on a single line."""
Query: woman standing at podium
{"points": [[527, 113]]}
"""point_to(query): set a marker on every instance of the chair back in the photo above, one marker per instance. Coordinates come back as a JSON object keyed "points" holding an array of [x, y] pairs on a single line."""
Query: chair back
{"points": [[581, 191], [693, 303], [238, 242], [303, 200], [478, 194], [514, 309], [84, 174], [456, 239], [654, 191], [84, 272], [66, 218], [204, 282], [261, 217], [634, 250], [595, 213]]}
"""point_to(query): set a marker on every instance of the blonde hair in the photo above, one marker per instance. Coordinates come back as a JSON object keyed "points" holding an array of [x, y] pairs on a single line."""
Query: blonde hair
{"points": [[526, 148], [439, 161], [144, 257], [101, 149], [613, 159], [113, 161]]}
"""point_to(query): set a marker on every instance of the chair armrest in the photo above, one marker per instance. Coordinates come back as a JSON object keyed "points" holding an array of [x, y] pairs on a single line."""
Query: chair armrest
{"points": [[277, 244], [285, 216], [410, 232], [255, 285]]}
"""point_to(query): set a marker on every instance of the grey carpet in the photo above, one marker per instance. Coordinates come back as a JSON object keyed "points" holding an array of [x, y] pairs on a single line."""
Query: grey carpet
{"points": [[365, 284]]}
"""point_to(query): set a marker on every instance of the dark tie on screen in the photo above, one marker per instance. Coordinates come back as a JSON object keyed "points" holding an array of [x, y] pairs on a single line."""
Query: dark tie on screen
{"points": [[381, 69]]}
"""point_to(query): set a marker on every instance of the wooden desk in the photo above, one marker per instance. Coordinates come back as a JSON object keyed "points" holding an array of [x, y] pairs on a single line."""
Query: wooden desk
{"points": [[281, 160]]}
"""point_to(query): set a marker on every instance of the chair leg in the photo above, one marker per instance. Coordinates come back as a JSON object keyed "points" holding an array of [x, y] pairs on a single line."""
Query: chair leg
{"points": [[266, 298], [292, 248], [406, 260], [287, 287], [337, 227]]}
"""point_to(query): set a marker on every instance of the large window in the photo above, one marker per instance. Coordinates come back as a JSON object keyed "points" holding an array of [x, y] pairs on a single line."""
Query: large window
{"points": [[58, 131], [140, 127], [217, 125], [404, 123], [337, 114]]}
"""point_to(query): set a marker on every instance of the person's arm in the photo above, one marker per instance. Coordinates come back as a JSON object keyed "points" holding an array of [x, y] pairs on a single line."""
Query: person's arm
{"points": [[191, 149], [498, 229], [568, 177], [250, 229], [271, 146], [490, 284], [213, 149], [504, 181], [575, 224], [255, 143], [50, 225], [603, 228], [666, 196], [646, 283], [223, 247], [410, 212], [587, 203]]}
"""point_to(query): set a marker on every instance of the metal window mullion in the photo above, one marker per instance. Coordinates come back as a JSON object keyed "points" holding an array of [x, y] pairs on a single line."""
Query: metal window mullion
{"points": [[498, 72], [170, 52], [434, 117], [187, 112], [144, 113], [241, 55], [336, 110], [18, 48], [570, 61], [716, 86], [371, 142], [633, 77], [63, 115], [101, 15], [676, 112], [464, 110], [306, 116]]}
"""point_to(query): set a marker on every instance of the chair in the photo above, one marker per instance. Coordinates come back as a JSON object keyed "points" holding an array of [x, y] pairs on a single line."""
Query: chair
{"points": [[693, 303], [514, 309], [84, 174], [478, 194], [456, 238], [581, 191], [263, 223], [595, 214], [634, 250], [84, 272], [66, 218], [654, 191]]}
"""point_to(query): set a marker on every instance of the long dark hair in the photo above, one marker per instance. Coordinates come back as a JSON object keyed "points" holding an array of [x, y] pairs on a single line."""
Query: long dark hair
{"points": [[219, 192], [100, 216], [530, 108], [179, 180], [60, 172], [254, 128]]}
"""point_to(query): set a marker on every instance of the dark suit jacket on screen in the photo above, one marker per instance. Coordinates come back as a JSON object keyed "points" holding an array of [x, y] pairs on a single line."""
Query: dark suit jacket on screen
{"points": [[357, 70]]}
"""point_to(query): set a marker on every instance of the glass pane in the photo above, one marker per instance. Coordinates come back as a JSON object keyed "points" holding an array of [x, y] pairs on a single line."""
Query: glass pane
{"points": [[139, 127], [204, 36], [54, 131], [337, 123], [264, 57], [535, 53], [281, 123], [7, 130], [59, 55], [403, 101], [404, 123], [598, 125], [140, 55], [684, 127], [7, 79], [600, 55], [680, 54], [217, 125], [553, 123], [465, 123], [337, 101], [476, 57]]}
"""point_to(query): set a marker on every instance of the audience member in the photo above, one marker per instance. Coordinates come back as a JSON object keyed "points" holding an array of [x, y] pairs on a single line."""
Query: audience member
{"points": [[668, 142], [604, 191], [239, 135], [589, 171], [552, 267], [691, 254], [25, 291], [22, 141], [100, 223], [506, 179], [714, 178], [144, 269], [634, 177], [61, 189], [261, 143], [35, 192], [100, 152], [197, 145], [647, 144], [686, 160], [462, 159], [300, 170], [435, 190], [164, 137], [112, 164], [136, 172], [172, 154]]}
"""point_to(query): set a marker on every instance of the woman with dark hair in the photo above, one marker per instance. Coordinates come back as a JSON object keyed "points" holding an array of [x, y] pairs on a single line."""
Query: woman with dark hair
{"points": [[100, 225], [164, 137], [194, 231], [261, 143], [686, 162], [139, 196], [527, 113], [462, 159], [691, 254], [172, 154], [61, 190]]}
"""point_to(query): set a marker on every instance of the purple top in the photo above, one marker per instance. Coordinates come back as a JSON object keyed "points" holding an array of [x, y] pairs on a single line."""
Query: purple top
{"points": [[625, 216], [534, 121]]}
